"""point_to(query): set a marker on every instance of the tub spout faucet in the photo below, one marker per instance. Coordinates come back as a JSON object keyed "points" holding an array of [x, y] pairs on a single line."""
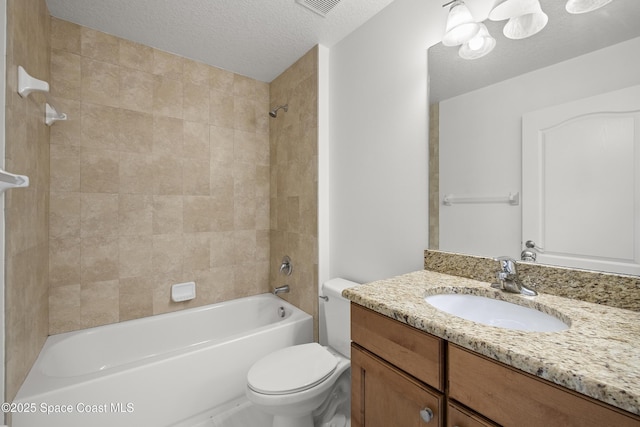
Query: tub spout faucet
{"points": [[281, 290], [508, 280]]}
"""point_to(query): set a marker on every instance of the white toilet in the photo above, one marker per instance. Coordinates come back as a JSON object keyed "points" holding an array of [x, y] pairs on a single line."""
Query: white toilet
{"points": [[296, 383]]}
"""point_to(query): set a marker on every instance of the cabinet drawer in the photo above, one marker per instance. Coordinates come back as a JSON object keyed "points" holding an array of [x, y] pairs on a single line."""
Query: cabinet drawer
{"points": [[460, 417], [384, 396], [415, 352], [513, 398]]}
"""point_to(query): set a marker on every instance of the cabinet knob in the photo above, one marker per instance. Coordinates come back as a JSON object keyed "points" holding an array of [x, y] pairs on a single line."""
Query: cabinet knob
{"points": [[426, 414]]}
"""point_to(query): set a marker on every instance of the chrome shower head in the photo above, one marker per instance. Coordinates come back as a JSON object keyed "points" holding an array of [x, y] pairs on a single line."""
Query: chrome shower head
{"points": [[274, 113]]}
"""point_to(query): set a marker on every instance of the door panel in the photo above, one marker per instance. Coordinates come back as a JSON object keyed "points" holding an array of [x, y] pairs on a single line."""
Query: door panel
{"points": [[581, 182]]}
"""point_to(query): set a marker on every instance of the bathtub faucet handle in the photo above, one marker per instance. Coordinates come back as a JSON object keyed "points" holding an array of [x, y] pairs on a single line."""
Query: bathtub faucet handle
{"points": [[281, 289], [286, 267]]}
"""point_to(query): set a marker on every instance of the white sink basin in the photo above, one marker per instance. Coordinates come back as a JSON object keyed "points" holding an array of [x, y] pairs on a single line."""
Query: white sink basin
{"points": [[493, 312]]}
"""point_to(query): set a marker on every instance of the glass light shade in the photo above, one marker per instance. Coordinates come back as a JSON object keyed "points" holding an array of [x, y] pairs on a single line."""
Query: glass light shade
{"points": [[523, 26], [461, 26], [480, 45], [507, 9], [584, 6]]}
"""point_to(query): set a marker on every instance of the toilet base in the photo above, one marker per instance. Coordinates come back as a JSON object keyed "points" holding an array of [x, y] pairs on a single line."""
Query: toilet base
{"points": [[303, 421]]}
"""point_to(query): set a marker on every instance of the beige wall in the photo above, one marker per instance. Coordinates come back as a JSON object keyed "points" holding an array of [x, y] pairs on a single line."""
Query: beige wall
{"points": [[294, 181], [160, 176], [27, 153]]}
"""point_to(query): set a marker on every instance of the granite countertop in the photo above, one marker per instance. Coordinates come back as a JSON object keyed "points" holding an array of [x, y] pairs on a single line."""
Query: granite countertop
{"points": [[598, 356]]}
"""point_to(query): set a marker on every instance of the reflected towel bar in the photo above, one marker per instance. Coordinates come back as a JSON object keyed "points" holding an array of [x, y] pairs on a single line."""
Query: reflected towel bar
{"points": [[512, 199]]}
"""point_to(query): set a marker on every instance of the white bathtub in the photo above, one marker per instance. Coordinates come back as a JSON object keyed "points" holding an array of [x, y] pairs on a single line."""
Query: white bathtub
{"points": [[156, 371]]}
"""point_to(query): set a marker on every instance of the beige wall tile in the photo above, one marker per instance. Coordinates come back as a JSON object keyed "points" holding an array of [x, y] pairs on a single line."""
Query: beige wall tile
{"points": [[196, 140], [221, 145], [66, 74], [222, 215], [221, 80], [135, 214], [100, 82], [293, 183], [245, 246], [197, 214], [168, 136], [65, 36], [245, 87], [197, 251], [222, 249], [261, 111], [221, 109], [64, 215], [65, 168], [167, 97], [196, 102], [245, 146], [136, 256], [99, 46], [136, 56], [137, 173], [136, 297], [244, 114], [100, 126], [196, 72], [99, 303], [64, 262], [167, 174], [167, 65], [99, 259], [167, 214], [26, 213], [64, 302], [99, 171], [196, 177], [136, 132], [68, 132], [98, 215], [136, 90], [167, 253]]}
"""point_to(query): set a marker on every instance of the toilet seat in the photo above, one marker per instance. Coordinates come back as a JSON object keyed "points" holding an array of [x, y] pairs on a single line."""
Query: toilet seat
{"points": [[292, 369]]}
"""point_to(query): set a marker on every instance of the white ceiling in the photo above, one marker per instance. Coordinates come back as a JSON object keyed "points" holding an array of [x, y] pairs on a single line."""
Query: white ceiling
{"points": [[256, 38]]}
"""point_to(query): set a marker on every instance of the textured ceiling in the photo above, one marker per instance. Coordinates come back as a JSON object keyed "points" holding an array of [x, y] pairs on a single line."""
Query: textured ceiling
{"points": [[565, 36], [255, 38]]}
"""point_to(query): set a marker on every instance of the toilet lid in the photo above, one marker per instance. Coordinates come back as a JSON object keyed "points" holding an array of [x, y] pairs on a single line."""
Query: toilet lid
{"points": [[292, 369]]}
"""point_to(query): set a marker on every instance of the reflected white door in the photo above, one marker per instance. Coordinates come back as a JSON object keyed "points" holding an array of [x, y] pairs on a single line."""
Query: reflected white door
{"points": [[581, 182]]}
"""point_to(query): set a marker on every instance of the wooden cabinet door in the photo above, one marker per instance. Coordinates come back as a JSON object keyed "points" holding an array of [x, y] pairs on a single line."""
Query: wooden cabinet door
{"points": [[457, 416], [384, 396], [514, 398]]}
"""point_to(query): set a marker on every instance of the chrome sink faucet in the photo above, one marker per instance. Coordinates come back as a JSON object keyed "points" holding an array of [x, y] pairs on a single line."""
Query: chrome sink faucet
{"points": [[508, 280]]}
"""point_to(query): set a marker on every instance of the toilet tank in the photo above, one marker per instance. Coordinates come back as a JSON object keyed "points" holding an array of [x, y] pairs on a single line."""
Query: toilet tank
{"points": [[337, 315]]}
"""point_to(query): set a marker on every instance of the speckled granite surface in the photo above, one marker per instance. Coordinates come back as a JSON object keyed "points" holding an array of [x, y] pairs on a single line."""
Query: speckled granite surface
{"points": [[615, 290], [599, 355]]}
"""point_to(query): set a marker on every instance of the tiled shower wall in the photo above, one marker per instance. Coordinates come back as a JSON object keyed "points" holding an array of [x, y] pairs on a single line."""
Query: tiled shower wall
{"points": [[294, 181], [161, 175], [26, 153]]}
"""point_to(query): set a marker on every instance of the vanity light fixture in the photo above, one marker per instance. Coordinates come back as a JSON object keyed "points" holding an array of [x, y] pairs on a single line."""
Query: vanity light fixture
{"points": [[526, 18], [480, 45], [461, 27], [584, 6]]}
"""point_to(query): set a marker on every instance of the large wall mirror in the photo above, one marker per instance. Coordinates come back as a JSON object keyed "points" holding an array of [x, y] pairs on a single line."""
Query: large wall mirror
{"points": [[476, 124]]}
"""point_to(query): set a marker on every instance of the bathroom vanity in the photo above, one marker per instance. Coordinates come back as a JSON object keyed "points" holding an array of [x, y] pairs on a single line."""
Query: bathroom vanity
{"points": [[414, 365]]}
